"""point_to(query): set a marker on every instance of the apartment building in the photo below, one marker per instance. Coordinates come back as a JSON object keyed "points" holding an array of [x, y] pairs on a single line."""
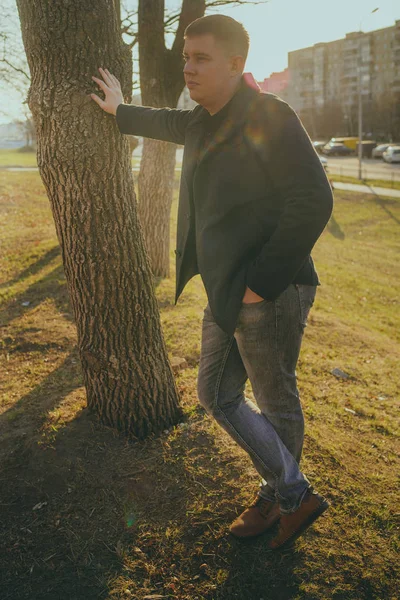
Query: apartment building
{"points": [[276, 83], [324, 80]]}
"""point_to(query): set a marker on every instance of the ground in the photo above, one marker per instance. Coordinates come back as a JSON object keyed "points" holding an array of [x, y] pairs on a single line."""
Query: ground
{"points": [[87, 513]]}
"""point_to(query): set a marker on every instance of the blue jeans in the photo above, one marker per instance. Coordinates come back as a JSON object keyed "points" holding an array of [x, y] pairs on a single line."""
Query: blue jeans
{"points": [[264, 348]]}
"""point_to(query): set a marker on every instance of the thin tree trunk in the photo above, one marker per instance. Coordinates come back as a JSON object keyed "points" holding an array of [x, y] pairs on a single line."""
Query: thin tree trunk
{"points": [[161, 82], [85, 166], [156, 182]]}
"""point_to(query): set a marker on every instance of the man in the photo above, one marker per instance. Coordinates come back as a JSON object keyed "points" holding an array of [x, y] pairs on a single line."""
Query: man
{"points": [[254, 198]]}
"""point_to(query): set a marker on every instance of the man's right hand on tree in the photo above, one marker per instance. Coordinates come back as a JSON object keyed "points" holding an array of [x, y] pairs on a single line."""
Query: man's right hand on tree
{"points": [[112, 90]]}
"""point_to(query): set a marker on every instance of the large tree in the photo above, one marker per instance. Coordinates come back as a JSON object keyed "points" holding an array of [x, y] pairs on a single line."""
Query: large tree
{"points": [[85, 166]]}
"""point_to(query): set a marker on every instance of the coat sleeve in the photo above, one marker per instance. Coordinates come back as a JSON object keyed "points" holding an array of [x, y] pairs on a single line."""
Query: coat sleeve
{"points": [[298, 177], [167, 124]]}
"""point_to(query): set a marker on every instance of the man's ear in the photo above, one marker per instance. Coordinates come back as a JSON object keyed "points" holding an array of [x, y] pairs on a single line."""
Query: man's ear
{"points": [[237, 65]]}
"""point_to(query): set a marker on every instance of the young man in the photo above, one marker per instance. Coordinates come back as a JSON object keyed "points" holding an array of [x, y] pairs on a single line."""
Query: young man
{"points": [[254, 199]]}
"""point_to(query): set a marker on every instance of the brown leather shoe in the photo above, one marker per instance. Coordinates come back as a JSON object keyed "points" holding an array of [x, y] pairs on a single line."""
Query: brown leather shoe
{"points": [[255, 520], [292, 525]]}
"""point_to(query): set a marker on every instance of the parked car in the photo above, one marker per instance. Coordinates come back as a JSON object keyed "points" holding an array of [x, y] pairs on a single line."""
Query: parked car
{"points": [[379, 150], [367, 148], [336, 149], [392, 154], [319, 146]]}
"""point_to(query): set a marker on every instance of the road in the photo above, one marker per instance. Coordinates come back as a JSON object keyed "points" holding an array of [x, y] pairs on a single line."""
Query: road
{"points": [[343, 165], [372, 168]]}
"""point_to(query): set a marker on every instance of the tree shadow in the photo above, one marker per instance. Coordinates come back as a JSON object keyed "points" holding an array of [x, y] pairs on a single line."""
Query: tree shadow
{"points": [[51, 286], [334, 228], [383, 203], [19, 422], [35, 267]]}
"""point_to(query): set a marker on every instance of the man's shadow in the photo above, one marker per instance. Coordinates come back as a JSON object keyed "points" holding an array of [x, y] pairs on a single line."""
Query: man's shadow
{"points": [[81, 497]]}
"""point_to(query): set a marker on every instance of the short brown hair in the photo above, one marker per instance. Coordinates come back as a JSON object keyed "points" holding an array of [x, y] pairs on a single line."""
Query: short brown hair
{"points": [[225, 29]]}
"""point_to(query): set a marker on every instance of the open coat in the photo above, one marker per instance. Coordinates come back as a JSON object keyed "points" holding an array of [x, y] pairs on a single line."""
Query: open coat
{"points": [[253, 201]]}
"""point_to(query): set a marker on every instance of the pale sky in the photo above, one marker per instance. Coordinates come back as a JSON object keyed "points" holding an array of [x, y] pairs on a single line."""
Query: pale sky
{"points": [[278, 27]]}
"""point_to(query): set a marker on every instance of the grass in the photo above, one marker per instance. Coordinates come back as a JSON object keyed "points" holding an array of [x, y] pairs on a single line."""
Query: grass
{"points": [[385, 183], [87, 513], [14, 158]]}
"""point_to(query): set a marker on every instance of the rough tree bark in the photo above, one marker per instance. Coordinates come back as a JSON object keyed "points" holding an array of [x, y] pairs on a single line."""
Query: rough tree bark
{"points": [[85, 166], [161, 82]]}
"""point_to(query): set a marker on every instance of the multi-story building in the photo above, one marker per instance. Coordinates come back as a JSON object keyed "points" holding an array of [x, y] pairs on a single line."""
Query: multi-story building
{"points": [[276, 83], [324, 82]]}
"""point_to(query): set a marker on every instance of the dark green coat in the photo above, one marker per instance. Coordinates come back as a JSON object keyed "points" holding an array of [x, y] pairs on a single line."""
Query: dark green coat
{"points": [[252, 202]]}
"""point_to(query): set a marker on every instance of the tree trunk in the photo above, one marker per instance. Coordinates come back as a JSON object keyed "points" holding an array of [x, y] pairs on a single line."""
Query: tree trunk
{"points": [[155, 186], [161, 82], [84, 164]]}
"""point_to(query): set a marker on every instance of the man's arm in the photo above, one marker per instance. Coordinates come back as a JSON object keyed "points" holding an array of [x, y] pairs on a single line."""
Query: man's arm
{"points": [[300, 180], [166, 124]]}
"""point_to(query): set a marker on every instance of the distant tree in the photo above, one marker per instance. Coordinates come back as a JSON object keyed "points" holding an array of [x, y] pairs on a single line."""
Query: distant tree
{"points": [[386, 115], [14, 72], [330, 120]]}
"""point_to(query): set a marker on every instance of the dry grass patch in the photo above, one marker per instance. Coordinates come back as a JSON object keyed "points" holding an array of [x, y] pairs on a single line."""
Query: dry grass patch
{"points": [[87, 513]]}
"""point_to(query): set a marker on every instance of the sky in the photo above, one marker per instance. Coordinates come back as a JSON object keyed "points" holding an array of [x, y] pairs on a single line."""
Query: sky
{"points": [[276, 28], [281, 26]]}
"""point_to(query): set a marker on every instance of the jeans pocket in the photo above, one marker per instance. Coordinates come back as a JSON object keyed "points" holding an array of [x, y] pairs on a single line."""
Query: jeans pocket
{"points": [[306, 295]]}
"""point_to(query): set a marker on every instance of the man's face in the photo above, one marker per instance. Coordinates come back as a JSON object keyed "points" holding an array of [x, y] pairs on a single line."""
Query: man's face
{"points": [[208, 68]]}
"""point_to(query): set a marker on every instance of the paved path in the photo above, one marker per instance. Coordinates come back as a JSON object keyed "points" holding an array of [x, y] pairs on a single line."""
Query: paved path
{"points": [[367, 189]]}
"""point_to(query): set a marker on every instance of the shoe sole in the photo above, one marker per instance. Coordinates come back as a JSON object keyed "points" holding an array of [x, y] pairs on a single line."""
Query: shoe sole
{"points": [[305, 525]]}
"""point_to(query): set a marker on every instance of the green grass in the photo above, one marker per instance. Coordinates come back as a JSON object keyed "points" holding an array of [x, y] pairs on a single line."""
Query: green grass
{"points": [[14, 158], [127, 520], [385, 183]]}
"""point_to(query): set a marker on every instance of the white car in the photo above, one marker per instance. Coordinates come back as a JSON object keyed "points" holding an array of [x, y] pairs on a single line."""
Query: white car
{"points": [[392, 154], [378, 151]]}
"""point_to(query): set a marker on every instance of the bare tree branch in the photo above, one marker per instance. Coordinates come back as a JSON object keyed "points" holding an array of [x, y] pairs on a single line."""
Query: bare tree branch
{"points": [[7, 62], [216, 3]]}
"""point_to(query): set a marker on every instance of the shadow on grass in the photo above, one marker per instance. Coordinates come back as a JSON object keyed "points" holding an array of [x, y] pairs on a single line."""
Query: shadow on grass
{"points": [[27, 414], [35, 267], [87, 513], [334, 228], [383, 203], [50, 286]]}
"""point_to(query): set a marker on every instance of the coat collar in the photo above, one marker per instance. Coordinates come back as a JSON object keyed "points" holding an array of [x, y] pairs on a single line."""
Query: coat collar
{"points": [[240, 105]]}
